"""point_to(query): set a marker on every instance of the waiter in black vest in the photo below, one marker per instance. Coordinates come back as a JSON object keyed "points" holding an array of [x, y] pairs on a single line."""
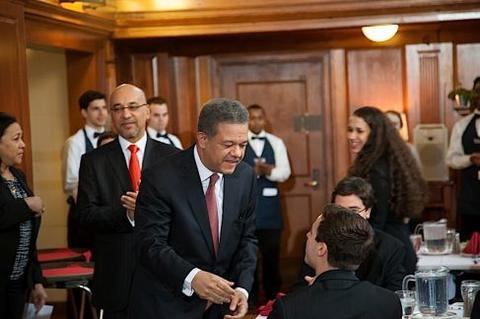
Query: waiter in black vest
{"points": [[267, 154], [464, 154]]}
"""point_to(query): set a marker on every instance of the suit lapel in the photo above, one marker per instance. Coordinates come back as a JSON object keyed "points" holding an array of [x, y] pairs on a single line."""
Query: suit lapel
{"points": [[117, 160], [196, 197], [229, 204], [147, 160]]}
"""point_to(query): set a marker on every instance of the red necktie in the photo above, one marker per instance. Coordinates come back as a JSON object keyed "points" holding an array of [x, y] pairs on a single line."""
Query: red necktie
{"points": [[134, 167], [212, 210]]}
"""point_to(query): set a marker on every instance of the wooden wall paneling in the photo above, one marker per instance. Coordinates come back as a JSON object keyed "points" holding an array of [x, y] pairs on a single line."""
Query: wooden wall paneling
{"points": [[468, 63], [13, 75], [429, 78], [375, 78], [110, 69], [340, 113], [144, 73], [81, 76], [186, 99]]}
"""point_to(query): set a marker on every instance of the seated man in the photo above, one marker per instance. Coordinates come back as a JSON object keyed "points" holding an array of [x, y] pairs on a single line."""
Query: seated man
{"points": [[336, 245], [384, 264]]}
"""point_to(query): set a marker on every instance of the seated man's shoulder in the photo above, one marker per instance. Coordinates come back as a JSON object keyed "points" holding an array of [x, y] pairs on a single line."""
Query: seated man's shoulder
{"points": [[387, 240]]}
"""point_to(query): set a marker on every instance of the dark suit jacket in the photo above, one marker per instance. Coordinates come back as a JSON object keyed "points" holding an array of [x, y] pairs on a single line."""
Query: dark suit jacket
{"points": [[12, 212], [173, 237], [104, 178], [338, 294], [382, 267]]}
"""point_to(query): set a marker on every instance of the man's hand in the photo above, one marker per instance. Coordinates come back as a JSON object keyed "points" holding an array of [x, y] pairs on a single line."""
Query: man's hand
{"points": [[475, 159], [212, 287], [238, 306], [39, 296], [262, 169], [35, 203], [128, 201]]}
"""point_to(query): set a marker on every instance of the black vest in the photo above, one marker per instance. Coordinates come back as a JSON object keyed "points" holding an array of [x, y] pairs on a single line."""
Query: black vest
{"points": [[268, 212], [469, 199], [88, 145]]}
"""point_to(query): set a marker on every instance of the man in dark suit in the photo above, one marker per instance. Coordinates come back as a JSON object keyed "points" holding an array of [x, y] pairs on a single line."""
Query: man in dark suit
{"points": [[336, 244], [108, 185], [195, 224]]}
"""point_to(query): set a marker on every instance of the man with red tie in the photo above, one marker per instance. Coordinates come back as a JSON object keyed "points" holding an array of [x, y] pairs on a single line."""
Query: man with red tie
{"points": [[107, 193], [195, 225]]}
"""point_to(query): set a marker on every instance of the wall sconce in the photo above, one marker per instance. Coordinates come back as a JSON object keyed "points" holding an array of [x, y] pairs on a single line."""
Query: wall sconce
{"points": [[380, 33]]}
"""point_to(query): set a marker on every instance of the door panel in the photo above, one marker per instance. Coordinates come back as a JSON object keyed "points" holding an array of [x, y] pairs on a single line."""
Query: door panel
{"points": [[288, 86]]}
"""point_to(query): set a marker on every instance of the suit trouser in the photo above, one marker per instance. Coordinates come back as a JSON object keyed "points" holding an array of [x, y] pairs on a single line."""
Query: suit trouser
{"points": [[12, 301], [122, 314], [269, 247]]}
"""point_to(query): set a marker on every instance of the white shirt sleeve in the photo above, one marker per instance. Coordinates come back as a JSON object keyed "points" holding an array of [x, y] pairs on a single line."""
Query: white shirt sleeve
{"points": [[281, 172], [187, 283], [456, 157], [73, 154]]}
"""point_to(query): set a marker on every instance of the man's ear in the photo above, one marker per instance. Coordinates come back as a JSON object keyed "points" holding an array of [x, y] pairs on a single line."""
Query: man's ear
{"points": [[322, 250], [84, 113], [202, 139], [367, 213]]}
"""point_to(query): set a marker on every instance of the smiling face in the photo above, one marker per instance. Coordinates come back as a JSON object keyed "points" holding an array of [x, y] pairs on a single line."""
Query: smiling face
{"points": [[96, 113], [129, 112], [357, 134], [222, 152], [12, 146]]}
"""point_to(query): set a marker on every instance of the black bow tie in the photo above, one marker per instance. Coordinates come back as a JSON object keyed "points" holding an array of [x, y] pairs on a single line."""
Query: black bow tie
{"points": [[261, 138], [97, 134], [162, 135]]}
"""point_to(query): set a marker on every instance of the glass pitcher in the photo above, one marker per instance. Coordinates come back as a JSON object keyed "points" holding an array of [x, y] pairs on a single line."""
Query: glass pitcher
{"points": [[434, 237], [431, 289]]}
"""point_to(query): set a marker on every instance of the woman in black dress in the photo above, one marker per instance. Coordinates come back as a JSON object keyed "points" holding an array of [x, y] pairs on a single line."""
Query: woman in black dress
{"points": [[384, 159], [20, 213]]}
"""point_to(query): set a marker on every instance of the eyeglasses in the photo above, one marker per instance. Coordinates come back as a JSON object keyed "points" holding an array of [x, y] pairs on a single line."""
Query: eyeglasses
{"points": [[131, 108]]}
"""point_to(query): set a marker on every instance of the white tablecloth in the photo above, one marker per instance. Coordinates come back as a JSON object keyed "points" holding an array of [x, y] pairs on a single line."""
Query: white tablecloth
{"points": [[453, 262]]}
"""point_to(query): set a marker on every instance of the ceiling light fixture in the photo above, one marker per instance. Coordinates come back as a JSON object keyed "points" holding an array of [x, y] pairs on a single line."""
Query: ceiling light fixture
{"points": [[380, 33]]}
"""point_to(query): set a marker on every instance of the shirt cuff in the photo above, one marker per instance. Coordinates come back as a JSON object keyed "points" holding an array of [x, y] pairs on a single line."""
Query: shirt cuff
{"points": [[132, 221], [187, 283], [243, 291]]}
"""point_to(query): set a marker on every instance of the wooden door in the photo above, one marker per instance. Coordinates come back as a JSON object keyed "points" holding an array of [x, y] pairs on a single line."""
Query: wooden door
{"points": [[289, 86]]}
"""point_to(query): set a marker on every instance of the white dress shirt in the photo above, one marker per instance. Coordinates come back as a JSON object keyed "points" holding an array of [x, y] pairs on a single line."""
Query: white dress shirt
{"points": [[73, 150], [456, 157], [141, 144], [205, 174], [281, 172], [176, 141]]}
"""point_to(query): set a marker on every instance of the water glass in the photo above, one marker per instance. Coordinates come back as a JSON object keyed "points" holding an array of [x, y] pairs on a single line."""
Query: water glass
{"points": [[407, 299], [469, 289]]}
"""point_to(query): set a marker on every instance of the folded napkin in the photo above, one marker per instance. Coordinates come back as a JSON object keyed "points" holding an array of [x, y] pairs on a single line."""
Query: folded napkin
{"points": [[473, 245], [268, 307]]}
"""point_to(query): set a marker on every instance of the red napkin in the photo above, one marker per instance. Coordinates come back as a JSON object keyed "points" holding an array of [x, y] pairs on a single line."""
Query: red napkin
{"points": [[266, 309], [473, 245]]}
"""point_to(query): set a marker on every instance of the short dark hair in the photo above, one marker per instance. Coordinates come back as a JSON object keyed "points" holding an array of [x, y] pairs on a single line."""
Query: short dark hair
{"points": [[221, 110], [348, 236], [357, 186], [5, 121], [256, 107], [106, 135], [397, 114], [156, 100], [477, 79], [88, 96]]}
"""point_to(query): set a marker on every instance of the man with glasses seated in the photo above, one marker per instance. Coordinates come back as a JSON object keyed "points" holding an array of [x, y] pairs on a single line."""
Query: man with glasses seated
{"points": [[107, 193], [384, 266]]}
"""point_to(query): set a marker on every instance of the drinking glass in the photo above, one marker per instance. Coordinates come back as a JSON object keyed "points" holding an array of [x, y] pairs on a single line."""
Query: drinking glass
{"points": [[407, 299], [469, 289]]}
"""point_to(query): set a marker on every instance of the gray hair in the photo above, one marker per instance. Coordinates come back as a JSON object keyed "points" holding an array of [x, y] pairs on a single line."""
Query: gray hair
{"points": [[220, 110]]}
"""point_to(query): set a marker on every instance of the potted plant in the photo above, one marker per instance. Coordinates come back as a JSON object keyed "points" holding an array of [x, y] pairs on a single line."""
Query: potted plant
{"points": [[462, 96]]}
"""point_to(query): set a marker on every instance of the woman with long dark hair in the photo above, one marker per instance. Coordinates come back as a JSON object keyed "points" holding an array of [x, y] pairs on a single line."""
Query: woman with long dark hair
{"points": [[20, 213], [383, 158]]}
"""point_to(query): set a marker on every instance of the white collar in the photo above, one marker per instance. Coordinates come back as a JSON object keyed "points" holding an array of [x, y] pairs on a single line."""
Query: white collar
{"points": [[203, 171], [261, 134], [141, 143], [153, 132], [90, 130]]}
